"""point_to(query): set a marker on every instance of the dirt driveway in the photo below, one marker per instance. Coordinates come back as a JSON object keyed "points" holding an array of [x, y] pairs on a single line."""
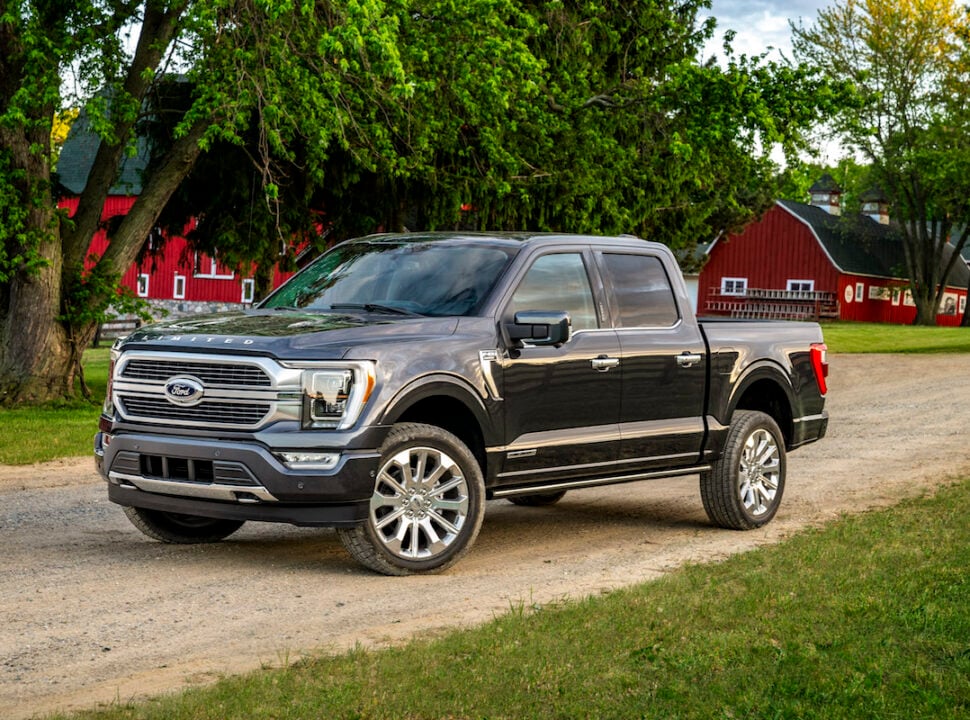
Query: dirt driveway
{"points": [[94, 612]]}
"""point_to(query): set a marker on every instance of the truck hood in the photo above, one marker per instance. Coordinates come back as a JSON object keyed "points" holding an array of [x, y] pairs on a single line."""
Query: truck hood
{"points": [[286, 334]]}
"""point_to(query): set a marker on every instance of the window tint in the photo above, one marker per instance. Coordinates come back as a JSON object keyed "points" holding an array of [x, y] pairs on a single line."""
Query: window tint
{"points": [[642, 290], [558, 282]]}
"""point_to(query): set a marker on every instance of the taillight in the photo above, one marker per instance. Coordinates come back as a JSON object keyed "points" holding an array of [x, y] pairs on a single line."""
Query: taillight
{"points": [[820, 365]]}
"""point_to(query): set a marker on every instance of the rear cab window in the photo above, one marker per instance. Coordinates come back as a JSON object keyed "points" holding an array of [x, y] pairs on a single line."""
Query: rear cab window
{"points": [[643, 295]]}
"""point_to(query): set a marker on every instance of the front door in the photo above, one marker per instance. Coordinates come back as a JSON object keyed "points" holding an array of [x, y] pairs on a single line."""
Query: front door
{"points": [[562, 403]]}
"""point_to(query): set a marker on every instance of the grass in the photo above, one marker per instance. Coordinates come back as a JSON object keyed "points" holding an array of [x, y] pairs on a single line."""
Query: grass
{"points": [[867, 617], [857, 337], [37, 434]]}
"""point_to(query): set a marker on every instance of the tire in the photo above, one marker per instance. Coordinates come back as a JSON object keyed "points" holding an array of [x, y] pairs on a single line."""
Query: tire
{"points": [[427, 506], [742, 490], [537, 499], [181, 529]]}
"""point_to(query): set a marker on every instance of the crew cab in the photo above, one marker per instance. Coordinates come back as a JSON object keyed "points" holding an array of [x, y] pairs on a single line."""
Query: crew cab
{"points": [[399, 381]]}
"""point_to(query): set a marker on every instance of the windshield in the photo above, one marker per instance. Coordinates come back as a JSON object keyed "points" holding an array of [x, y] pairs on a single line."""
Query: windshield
{"points": [[422, 278]]}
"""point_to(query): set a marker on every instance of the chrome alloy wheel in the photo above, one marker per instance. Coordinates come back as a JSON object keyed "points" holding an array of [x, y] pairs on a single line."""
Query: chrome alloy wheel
{"points": [[420, 503], [760, 472]]}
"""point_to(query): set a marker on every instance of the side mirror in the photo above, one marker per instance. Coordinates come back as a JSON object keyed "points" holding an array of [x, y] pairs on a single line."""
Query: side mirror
{"points": [[540, 327]]}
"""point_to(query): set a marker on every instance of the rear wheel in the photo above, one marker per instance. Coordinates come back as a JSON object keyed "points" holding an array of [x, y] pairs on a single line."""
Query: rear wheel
{"points": [[427, 506], [537, 499], [181, 529], [743, 489]]}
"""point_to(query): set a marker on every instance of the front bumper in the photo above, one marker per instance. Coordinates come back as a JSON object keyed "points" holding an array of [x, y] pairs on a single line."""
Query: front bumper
{"points": [[238, 480]]}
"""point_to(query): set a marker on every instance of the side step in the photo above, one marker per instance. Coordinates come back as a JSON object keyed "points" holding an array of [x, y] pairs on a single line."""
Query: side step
{"points": [[593, 482]]}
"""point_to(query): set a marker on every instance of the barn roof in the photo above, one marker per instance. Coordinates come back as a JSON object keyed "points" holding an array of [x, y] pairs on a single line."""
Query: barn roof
{"points": [[77, 157], [858, 245]]}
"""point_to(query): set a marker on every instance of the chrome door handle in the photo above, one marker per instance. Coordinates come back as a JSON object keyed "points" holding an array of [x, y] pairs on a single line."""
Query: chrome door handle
{"points": [[686, 360], [603, 363]]}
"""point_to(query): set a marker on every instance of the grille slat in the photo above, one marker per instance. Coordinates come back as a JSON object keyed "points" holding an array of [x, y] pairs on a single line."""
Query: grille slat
{"points": [[209, 373], [223, 413]]}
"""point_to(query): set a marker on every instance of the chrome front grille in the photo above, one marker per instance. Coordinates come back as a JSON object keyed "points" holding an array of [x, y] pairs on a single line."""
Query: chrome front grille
{"points": [[220, 413], [237, 393], [209, 373]]}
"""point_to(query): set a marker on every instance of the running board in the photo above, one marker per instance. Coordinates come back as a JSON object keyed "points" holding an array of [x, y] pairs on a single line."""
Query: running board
{"points": [[594, 482]]}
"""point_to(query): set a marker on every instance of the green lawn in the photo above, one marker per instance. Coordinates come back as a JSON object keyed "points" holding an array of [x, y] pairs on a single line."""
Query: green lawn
{"points": [[61, 430], [853, 337], [866, 618]]}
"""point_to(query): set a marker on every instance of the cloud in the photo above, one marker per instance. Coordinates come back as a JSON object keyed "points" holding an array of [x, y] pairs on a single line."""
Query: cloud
{"points": [[761, 25]]}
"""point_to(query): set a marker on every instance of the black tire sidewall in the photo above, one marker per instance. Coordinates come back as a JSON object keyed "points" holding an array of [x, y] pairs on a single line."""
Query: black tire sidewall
{"points": [[721, 486]]}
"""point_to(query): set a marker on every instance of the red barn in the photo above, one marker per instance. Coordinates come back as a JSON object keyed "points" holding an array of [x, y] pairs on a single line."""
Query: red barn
{"points": [[808, 261], [174, 277]]}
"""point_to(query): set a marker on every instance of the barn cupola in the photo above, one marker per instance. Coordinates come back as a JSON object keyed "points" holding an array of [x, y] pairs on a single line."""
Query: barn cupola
{"points": [[875, 205], [827, 195]]}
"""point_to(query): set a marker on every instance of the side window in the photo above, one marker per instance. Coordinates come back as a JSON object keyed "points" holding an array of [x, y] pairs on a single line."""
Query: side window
{"points": [[644, 296], [558, 282]]}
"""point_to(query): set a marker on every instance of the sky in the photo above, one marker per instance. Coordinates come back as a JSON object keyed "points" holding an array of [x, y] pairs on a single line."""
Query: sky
{"points": [[762, 23]]}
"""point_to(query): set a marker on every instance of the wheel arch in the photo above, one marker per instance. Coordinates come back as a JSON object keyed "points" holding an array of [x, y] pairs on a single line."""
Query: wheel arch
{"points": [[448, 403], [766, 388]]}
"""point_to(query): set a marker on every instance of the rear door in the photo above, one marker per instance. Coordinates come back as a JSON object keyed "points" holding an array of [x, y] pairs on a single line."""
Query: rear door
{"points": [[663, 364], [561, 403]]}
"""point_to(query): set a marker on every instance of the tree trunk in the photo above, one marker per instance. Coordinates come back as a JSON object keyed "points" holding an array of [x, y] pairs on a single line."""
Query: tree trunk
{"points": [[37, 360]]}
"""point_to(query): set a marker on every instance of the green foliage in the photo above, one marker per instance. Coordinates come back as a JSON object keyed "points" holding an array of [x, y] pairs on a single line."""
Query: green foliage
{"points": [[586, 117], [872, 622]]}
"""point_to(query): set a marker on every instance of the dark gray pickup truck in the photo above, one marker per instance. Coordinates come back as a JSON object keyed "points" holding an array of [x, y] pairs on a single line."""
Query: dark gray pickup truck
{"points": [[398, 382]]}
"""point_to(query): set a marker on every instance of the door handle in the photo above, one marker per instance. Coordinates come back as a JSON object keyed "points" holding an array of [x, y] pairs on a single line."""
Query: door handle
{"points": [[687, 359], [603, 363]]}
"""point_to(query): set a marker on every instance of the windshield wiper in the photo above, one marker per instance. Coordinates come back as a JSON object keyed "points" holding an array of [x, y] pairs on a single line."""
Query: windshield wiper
{"points": [[376, 307]]}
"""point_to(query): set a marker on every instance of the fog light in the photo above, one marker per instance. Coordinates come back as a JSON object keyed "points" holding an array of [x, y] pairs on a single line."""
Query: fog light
{"points": [[309, 461]]}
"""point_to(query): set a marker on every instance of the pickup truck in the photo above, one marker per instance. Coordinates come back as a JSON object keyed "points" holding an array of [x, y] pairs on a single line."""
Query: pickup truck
{"points": [[399, 381]]}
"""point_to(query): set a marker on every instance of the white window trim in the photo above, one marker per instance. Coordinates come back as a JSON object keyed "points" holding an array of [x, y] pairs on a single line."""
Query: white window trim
{"points": [[213, 268], [736, 280], [860, 292], [248, 290], [179, 279], [811, 285], [141, 286]]}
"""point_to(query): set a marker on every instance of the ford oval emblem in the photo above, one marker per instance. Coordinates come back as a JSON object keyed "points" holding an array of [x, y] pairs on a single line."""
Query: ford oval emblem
{"points": [[184, 391]]}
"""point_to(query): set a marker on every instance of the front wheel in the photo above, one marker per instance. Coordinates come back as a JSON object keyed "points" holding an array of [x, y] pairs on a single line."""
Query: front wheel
{"points": [[427, 506], [181, 529], [742, 490]]}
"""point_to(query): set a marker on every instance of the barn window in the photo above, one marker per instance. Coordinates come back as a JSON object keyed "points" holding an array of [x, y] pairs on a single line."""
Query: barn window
{"points": [[801, 286], [860, 292], [208, 267], [143, 285], [178, 290], [734, 286], [248, 288]]}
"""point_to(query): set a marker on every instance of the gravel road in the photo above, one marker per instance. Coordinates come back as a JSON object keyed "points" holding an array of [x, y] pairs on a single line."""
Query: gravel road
{"points": [[93, 612]]}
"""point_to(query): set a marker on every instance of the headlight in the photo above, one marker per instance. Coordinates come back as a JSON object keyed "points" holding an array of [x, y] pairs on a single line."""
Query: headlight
{"points": [[108, 408], [334, 396]]}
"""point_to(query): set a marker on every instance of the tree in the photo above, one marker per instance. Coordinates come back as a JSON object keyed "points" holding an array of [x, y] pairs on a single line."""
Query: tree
{"points": [[320, 74], [908, 63]]}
